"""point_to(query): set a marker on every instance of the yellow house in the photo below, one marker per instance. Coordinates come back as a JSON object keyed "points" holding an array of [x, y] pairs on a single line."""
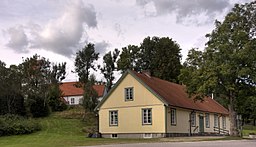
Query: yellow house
{"points": [[141, 106]]}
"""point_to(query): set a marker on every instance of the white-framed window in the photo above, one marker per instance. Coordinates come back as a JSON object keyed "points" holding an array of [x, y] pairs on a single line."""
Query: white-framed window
{"points": [[147, 116], [216, 120], [128, 94], [223, 122], [173, 116], [114, 136], [193, 119], [147, 135], [113, 118], [72, 100], [207, 120]]}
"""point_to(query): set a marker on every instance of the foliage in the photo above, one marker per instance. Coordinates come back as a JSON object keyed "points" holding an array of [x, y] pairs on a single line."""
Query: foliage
{"points": [[38, 107], [38, 77], [90, 96], [15, 125], [128, 58], [159, 56], [11, 100], [56, 102], [109, 67], [227, 67], [84, 62]]}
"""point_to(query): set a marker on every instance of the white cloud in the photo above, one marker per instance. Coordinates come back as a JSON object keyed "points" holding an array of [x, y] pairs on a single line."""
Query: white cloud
{"points": [[61, 35]]}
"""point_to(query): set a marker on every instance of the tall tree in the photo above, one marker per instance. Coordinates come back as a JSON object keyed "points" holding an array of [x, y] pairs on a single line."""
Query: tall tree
{"points": [[109, 66], [85, 61], [128, 58], [160, 56], [228, 65], [90, 96], [38, 77]]}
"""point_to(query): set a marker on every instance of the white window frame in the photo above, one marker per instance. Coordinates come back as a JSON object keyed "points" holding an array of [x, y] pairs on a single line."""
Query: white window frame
{"points": [[114, 136], [173, 117], [193, 119], [128, 94], [147, 116], [216, 120], [113, 118], [72, 100], [224, 122], [147, 135], [207, 120]]}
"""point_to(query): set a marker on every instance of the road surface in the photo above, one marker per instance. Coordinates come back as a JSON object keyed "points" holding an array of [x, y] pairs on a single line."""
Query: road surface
{"points": [[230, 143]]}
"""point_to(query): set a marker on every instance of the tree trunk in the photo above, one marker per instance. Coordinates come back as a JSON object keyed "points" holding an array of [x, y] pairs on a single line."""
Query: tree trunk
{"points": [[232, 116]]}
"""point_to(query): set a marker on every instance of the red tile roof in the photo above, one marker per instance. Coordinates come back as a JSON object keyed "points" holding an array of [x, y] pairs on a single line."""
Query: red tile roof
{"points": [[70, 89], [176, 95]]}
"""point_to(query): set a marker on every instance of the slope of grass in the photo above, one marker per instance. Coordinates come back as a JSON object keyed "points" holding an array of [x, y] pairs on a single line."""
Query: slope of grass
{"points": [[64, 129], [60, 132]]}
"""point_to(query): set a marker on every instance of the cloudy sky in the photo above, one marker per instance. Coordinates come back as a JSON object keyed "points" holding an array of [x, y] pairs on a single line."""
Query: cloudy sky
{"points": [[57, 29]]}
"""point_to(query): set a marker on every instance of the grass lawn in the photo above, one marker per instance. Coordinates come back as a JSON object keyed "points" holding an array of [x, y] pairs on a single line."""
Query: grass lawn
{"points": [[248, 129], [59, 131]]}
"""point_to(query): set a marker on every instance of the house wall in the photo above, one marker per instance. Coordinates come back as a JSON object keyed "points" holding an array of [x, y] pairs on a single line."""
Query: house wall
{"points": [[182, 124], [77, 99], [130, 112]]}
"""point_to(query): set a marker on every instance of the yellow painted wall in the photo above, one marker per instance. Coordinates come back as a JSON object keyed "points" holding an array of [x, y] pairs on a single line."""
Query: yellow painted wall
{"points": [[130, 112], [182, 124], [182, 121]]}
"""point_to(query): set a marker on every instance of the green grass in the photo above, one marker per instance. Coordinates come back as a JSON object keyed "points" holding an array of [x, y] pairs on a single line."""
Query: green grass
{"points": [[58, 130], [248, 129]]}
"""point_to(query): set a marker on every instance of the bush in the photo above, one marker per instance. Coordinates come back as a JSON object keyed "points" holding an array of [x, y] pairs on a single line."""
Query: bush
{"points": [[39, 108], [15, 125]]}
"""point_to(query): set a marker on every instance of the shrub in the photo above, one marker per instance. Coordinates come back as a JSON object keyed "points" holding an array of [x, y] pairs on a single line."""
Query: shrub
{"points": [[15, 125]]}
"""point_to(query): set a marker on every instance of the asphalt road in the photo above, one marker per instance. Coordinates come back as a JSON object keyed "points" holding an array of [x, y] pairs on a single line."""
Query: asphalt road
{"points": [[232, 143]]}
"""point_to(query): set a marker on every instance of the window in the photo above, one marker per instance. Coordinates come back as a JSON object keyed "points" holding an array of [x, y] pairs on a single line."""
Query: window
{"points": [[146, 116], [72, 100], [173, 116], [193, 119], [128, 94], [113, 135], [113, 118], [216, 120], [207, 120], [147, 135], [223, 122]]}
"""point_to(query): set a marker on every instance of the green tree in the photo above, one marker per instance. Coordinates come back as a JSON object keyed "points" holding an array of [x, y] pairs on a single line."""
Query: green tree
{"points": [[227, 66], [128, 58], [11, 100], [85, 61], [38, 77], [109, 66], [159, 56], [90, 97]]}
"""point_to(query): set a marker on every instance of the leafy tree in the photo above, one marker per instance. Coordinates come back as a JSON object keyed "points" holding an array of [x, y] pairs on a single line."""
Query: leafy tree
{"points": [[90, 96], [159, 56], [84, 62], [128, 58], [227, 66], [109, 60], [11, 100], [38, 76]]}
